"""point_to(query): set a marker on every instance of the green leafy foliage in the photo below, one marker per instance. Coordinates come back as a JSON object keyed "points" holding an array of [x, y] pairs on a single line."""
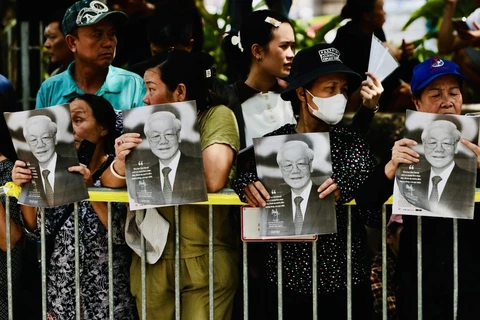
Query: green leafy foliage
{"points": [[432, 12], [217, 24]]}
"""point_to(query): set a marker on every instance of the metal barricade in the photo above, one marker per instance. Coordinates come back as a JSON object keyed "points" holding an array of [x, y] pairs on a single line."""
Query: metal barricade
{"points": [[225, 197]]}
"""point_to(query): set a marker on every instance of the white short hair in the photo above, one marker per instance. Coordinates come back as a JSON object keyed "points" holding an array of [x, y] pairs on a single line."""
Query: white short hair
{"points": [[52, 126], [445, 125], [295, 144], [161, 115]]}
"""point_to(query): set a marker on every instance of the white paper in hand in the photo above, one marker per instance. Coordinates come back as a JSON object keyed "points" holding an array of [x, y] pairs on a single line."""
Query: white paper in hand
{"points": [[381, 63]]}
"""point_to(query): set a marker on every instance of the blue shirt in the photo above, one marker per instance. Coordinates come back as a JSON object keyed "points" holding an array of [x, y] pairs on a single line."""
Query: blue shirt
{"points": [[6, 88], [123, 89]]}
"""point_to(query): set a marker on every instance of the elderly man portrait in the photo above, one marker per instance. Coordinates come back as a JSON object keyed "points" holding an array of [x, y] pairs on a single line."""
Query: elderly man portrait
{"points": [[446, 189], [52, 184], [303, 212], [176, 178], [436, 88]]}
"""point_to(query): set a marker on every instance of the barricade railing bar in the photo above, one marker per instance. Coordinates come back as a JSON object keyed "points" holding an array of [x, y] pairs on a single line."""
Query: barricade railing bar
{"points": [[224, 197]]}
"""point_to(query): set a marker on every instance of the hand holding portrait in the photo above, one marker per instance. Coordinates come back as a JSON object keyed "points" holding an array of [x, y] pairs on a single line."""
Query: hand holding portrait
{"points": [[256, 194], [328, 187], [20, 173], [85, 172], [401, 153], [124, 145]]}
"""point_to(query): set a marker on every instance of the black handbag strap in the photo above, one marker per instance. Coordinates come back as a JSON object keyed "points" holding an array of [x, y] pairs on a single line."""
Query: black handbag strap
{"points": [[62, 221]]}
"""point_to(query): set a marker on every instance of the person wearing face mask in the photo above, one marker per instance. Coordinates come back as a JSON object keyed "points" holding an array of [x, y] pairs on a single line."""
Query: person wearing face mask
{"points": [[318, 90]]}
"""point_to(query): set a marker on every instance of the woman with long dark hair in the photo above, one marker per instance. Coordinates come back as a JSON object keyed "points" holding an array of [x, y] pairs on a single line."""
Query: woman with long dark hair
{"points": [[189, 76]]}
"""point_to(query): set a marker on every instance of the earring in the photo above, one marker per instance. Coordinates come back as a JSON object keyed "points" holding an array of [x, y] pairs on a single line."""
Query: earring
{"points": [[259, 59]]}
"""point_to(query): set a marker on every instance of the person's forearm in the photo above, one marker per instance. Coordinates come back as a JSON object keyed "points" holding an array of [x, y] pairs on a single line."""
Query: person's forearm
{"points": [[217, 162], [29, 217], [109, 180], [101, 210], [446, 37]]}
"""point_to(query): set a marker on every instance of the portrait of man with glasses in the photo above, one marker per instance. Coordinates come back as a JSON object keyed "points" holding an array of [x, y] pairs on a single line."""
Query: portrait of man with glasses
{"points": [[298, 210], [52, 184], [445, 188], [171, 176]]}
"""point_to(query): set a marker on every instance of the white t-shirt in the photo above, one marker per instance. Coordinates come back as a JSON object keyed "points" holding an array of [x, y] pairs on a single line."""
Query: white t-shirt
{"points": [[264, 113]]}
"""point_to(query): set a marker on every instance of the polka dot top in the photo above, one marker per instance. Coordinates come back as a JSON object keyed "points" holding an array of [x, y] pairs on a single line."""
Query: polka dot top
{"points": [[352, 163]]}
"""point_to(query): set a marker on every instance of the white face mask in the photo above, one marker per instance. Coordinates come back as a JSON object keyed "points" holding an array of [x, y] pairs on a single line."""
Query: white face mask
{"points": [[330, 110]]}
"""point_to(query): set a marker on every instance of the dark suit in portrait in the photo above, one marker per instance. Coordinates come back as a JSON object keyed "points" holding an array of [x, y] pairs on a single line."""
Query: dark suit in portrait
{"points": [[319, 217], [457, 198], [189, 185], [69, 187]]}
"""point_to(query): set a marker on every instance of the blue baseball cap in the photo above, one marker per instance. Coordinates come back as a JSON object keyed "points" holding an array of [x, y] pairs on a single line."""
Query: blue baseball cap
{"points": [[431, 69]]}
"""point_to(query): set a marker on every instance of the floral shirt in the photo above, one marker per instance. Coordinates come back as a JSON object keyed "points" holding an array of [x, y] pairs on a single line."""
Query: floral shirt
{"points": [[352, 163], [93, 264], [6, 167]]}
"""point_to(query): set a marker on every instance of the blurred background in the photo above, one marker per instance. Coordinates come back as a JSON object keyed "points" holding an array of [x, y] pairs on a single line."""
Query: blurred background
{"points": [[22, 22]]}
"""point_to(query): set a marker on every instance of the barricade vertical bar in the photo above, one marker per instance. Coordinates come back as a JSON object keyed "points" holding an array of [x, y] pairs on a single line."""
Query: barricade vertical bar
{"points": [[78, 310], [143, 266], [419, 269], [25, 58], [9, 258], [245, 281], [349, 262], [280, 280], [455, 269], [314, 281], [110, 261], [9, 53], [210, 262], [177, 264], [40, 60], [44, 263], [384, 263]]}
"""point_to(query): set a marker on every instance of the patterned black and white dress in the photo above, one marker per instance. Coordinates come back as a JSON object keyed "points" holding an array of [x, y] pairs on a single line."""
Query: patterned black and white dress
{"points": [[6, 167], [93, 265]]}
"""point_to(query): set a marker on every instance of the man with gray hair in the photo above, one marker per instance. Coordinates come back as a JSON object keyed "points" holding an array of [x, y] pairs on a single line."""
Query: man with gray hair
{"points": [[442, 188], [176, 178], [308, 213], [50, 176]]}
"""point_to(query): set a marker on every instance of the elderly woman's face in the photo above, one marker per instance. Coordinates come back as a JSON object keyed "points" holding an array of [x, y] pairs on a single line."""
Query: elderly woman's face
{"points": [[441, 96], [85, 126], [329, 85]]}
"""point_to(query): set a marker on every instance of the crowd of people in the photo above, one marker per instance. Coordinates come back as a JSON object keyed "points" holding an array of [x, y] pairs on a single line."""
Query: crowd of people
{"points": [[277, 92]]}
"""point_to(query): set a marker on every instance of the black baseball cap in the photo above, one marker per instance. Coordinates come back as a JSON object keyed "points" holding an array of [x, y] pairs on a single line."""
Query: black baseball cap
{"points": [[313, 62]]}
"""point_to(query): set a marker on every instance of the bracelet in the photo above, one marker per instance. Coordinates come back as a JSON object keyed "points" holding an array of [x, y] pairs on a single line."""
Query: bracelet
{"points": [[114, 172]]}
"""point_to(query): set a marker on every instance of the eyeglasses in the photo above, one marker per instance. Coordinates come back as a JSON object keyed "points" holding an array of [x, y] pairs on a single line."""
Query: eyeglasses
{"points": [[167, 136], [92, 13], [301, 166], [45, 140], [434, 144]]}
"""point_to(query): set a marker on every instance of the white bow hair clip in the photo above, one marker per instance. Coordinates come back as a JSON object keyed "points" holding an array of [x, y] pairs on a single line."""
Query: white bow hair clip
{"points": [[237, 42], [274, 22]]}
